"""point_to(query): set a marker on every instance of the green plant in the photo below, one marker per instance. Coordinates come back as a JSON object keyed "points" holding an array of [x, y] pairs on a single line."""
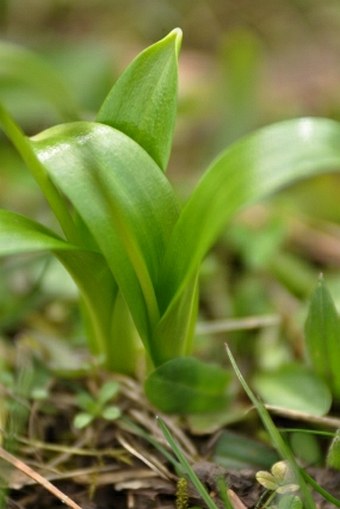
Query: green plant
{"points": [[132, 249], [292, 472], [94, 407], [280, 482]]}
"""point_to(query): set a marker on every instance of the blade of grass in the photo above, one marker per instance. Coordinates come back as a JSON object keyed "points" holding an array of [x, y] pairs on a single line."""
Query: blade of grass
{"points": [[316, 486], [278, 442], [223, 492], [128, 424], [186, 467]]}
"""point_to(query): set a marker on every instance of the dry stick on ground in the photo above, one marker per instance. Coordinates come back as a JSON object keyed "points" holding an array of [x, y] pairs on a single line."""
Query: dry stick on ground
{"points": [[6, 456]]}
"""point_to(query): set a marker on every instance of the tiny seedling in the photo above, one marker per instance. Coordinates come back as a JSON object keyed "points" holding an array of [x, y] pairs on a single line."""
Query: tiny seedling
{"points": [[280, 482], [97, 407], [133, 250]]}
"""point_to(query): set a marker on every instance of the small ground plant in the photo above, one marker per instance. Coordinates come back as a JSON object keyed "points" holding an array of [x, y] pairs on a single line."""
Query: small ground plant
{"points": [[131, 247]]}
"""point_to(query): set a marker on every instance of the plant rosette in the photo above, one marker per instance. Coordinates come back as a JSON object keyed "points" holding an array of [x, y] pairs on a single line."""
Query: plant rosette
{"points": [[132, 249]]}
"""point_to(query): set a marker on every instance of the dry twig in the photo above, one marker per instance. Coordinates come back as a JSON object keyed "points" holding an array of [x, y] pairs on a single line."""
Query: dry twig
{"points": [[20, 465]]}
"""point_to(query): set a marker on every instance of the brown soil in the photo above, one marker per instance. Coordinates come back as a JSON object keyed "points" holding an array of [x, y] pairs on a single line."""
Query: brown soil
{"points": [[110, 465]]}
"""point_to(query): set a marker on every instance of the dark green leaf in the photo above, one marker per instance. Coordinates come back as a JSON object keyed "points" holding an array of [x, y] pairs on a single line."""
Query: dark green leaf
{"points": [[237, 451], [186, 385]]}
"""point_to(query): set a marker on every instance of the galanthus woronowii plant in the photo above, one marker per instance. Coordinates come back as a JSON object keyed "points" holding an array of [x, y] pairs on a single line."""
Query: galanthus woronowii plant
{"points": [[133, 250]]}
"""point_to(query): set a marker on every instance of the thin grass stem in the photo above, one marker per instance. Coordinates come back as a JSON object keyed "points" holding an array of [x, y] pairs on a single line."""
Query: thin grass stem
{"points": [[187, 469], [275, 435]]}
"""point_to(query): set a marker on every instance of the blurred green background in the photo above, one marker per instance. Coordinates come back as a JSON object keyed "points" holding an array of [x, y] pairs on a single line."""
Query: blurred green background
{"points": [[244, 64]]}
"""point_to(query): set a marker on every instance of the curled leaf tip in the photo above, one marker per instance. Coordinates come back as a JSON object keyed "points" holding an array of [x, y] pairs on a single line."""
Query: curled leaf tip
{"points": [[177, 34]]}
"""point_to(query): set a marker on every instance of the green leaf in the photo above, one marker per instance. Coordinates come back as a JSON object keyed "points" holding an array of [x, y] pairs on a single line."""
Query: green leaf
{"points": [[108, 391], [125, 201], [19, 234], [174, 333], [111, 413], [296, 388], [322, 336], [86, 402], [142, 103], [236, 451], [290, 502], [333, 455], [251, 169], [186, 385], [21, 66], [266, 479], [82, 420], [56, 202]]}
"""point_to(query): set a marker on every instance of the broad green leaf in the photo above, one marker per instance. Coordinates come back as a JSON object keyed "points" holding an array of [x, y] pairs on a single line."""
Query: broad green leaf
{"points": [[21, 66], [125, 201], [322, 336], [142, 103], [250, 170], [186, 385], [296, 388]]}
